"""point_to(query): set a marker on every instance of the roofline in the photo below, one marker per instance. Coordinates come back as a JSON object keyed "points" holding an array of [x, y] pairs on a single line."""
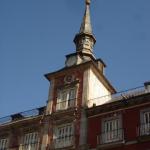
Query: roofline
{"points": [[121, 104]]}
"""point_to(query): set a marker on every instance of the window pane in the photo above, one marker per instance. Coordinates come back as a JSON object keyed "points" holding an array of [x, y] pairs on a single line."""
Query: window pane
{"points": [[3, 144], [146, 117], [64, 96], [30, 138], [64, 136], [112, 131], [72, 94]]}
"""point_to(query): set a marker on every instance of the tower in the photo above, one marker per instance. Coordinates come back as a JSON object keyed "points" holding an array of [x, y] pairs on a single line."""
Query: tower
{"points": [[84, 41], [72, 88], [83, 111]]}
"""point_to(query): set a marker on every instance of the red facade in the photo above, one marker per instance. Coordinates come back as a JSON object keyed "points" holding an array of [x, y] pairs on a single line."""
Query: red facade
{"points": [[131, 125], [83, 111]]}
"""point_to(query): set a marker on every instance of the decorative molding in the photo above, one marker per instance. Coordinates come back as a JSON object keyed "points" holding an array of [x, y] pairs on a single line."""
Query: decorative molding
{"points": [[69, 79]]}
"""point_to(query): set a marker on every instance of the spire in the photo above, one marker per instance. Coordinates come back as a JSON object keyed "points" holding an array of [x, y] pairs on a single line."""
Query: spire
{"points": [[86, 26], [85, 39]]}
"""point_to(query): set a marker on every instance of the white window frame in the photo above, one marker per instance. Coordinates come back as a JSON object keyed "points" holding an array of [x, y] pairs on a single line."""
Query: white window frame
{"points": [[145, 122], [30, 141], [3, 143], [112, 129], [63, 135], [66, 99]]}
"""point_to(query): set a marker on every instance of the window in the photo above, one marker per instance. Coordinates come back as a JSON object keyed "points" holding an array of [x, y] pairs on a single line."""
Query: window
{"points": [[63, 136], [145, 122], [3, 144], [111, 131], [66, 98], [30, 141]]}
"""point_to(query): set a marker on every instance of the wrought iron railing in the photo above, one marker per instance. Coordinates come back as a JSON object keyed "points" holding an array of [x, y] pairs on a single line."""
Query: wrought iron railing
{"points": [[22, 115], [31, 146], [63, 142], [111, 136], [123, 95], [4, 148], [144, 129], [65, 104]]}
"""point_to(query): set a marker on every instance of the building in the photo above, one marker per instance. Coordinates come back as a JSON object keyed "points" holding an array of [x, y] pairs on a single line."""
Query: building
{"points": [[83, 111], [122, 122]]}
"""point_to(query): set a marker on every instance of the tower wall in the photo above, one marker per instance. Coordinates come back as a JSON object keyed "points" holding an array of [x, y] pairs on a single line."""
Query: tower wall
{"points": [[94, 89]]}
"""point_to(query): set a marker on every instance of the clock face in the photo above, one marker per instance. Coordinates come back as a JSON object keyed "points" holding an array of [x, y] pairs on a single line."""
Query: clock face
{"points": [[71, 61]]}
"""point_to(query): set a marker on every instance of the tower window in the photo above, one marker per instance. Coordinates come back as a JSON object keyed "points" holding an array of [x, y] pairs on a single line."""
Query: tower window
{"points": [[30, 141], [63, 136], [66, 98]]}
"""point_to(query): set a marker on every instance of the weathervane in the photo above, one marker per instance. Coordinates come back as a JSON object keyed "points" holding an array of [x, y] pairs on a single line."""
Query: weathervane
{"points": [[87, 2]]}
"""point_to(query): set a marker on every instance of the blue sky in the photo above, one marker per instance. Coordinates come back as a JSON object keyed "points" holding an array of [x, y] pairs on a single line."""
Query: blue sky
{"points": [[35, 36]]}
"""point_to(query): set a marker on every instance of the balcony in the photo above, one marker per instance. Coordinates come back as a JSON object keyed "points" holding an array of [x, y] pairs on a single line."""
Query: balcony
{"points": [[63, 105], [32, 146], [144, 132], [145, 129], [63, 142], [111, 139]]}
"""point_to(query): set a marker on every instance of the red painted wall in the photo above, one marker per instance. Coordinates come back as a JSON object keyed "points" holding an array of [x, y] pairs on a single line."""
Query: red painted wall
{"points": [[130, 123], [139, 146], [59, 82], [94, 129]]}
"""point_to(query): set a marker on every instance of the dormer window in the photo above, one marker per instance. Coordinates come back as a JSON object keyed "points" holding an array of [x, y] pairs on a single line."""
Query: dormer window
{"points": [[86, 41], [66, 98]]}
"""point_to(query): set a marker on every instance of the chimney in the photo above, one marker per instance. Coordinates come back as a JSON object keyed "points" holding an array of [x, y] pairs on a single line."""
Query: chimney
{"points": [[147, 86], [101, 65]]}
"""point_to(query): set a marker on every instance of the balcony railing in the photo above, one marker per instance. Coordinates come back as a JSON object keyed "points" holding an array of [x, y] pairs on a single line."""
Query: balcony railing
{"points": [[4, 148], [65, 104], [110, 137], [22, 115], [32, 146], [144, 129], [63, 142], [118, 96]]}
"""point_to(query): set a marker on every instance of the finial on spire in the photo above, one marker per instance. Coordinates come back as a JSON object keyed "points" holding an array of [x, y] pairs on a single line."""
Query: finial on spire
{"points": [[86, 26], [87, 2]]}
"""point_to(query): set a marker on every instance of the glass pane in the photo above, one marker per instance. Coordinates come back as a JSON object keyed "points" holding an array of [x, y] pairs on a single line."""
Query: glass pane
{"points": [[64, 96], [72, 94], [3, 144]]}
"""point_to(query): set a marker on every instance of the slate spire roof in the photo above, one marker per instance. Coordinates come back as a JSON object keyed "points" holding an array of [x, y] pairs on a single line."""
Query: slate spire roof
{"points": [[86, 26]]}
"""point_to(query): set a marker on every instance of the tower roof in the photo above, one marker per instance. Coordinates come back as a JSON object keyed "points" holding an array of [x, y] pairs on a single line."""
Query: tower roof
{"points": [[86, 26]]}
